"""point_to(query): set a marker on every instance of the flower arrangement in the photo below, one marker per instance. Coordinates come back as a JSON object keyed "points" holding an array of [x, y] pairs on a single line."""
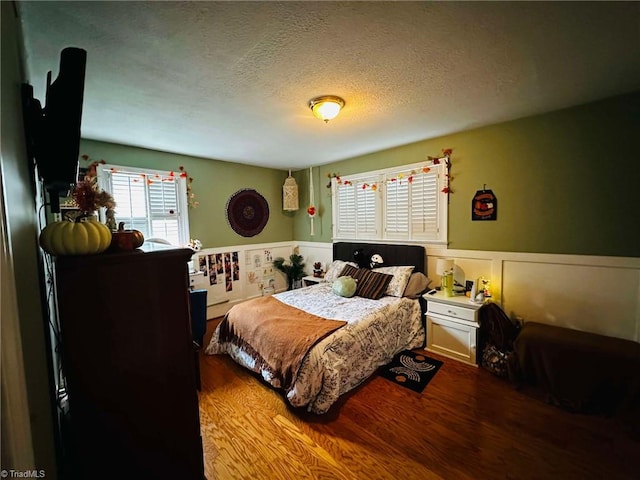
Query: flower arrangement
{"points": [[195, 244], [89, 197]]}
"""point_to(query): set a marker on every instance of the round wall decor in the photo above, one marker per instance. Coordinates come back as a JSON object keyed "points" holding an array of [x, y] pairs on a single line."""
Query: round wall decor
{"points": [[247, 212]]}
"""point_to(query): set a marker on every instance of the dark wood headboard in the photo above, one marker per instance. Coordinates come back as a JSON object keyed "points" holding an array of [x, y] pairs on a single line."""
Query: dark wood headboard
{"points": [[391, 254]]}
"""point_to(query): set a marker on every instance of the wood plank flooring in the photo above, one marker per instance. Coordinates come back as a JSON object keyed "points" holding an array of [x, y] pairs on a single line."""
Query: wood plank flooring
{"points": [[466, 424]]}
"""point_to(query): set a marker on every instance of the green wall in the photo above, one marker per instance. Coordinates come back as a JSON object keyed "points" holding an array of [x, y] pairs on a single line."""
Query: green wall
{"points": [[21, 224], [213, 183], [567, 182], [322, 200]]}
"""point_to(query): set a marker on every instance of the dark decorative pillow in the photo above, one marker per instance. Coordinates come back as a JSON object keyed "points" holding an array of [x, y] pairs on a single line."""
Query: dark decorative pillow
{"points": [[349, 271], [335, 270], [371, 284]]}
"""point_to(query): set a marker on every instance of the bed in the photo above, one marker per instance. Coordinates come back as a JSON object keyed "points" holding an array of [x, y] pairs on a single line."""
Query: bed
{"points": [[339, 342]]}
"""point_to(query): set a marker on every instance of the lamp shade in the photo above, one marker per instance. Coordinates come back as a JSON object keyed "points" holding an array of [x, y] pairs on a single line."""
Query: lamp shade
{"points": [[290, 194], [444, 266], [326, 108]]}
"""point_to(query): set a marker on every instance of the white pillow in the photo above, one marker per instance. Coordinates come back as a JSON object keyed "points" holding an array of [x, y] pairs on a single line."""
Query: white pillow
{"points": [[399, 281], [335, 269]]}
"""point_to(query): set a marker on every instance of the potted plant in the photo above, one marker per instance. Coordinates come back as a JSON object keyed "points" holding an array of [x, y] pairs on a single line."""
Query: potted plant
{"points": [[294, 270]]}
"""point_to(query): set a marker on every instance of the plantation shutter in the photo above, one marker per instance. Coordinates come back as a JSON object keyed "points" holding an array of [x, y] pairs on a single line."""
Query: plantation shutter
{"points": [[397, 207], [356, 209], [403, 204], [148, 201], [366, 209], [424, 206], [345, 211], [163, 209], [128, 191]]}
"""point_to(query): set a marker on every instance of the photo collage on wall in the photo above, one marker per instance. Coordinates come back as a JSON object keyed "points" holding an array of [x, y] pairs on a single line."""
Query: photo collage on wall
{"points": [[219, 266], [260, 272]]}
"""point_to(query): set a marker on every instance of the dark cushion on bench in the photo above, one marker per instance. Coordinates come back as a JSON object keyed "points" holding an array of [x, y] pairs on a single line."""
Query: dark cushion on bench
{"points": [[581, 371]]}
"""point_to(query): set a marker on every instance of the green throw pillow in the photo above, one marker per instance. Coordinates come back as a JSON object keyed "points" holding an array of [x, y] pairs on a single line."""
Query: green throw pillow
{"points": [[345, 287]]}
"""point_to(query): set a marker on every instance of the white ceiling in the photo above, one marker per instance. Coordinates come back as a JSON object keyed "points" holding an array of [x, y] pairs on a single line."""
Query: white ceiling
{"points": [[232, 80]]}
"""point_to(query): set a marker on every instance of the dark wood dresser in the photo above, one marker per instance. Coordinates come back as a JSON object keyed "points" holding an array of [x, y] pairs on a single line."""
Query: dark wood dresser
{"points": [[127, 355]]}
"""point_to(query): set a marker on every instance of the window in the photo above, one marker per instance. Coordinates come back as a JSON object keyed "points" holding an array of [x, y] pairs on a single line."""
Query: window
{"points": [[356, 209], [401, 203], [154, 202]]}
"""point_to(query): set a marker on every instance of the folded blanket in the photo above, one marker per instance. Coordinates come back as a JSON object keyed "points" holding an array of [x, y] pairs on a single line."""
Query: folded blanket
{"points": [[277, 336]]}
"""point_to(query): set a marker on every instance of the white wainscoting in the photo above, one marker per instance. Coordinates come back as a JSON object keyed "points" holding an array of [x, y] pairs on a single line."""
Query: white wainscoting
{"points": [[590, 293], [316, 252], [255, 269]]}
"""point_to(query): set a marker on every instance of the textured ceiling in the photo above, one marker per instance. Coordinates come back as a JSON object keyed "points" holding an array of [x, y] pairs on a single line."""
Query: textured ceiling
{"points": [[232, 80]]}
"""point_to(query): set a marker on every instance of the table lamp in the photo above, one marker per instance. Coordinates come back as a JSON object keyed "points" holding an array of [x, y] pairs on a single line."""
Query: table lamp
{"points": [[444, 268]]}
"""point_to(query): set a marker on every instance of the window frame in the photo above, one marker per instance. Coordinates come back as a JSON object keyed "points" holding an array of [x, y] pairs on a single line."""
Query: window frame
{"points": [[381, 178], [105, 171]]}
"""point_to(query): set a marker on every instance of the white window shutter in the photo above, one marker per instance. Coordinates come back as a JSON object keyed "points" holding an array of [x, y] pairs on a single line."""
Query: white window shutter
{"points": [[163, 208], [366, 209], [407, 205], [396, 212], [424, 206], [149, 201], [345, 211]]}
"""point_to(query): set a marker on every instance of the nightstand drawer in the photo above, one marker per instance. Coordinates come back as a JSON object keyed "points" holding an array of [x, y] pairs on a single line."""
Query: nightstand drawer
{"points": [[452, 339], [454, 311]]}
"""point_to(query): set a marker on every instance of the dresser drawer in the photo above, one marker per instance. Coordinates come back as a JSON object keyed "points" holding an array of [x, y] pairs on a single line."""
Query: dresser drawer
{"points": [[454, 311]]}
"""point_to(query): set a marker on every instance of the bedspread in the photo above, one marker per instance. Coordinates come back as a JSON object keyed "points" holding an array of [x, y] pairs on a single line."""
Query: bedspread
{"points": [[275, 334], [376, 330]]}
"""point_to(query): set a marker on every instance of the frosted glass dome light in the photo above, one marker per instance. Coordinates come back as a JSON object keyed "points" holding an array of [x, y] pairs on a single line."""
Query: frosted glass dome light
{"points": [[327, 107]]}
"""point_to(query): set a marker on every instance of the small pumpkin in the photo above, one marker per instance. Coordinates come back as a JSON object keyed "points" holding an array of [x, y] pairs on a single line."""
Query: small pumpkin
{"points": [[85, 236], [126, 239]]}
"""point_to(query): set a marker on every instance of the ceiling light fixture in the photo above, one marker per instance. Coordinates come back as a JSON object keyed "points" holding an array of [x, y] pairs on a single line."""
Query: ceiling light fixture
{"points": [[326, 107]]}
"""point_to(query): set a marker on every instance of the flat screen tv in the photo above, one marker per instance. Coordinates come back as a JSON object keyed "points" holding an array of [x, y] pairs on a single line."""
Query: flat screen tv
{"points": [[53, 132]]}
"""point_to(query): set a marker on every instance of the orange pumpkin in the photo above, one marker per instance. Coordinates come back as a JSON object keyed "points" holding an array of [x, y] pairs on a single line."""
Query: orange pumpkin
{"points": [[125, 240]]}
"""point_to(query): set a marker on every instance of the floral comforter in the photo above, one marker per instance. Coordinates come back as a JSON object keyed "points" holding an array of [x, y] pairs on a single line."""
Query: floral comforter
{"points": [[376, 330]]}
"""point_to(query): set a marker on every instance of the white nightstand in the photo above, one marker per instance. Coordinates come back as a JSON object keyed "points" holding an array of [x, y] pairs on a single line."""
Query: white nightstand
{"points": [[452, 326], [311, 280]]}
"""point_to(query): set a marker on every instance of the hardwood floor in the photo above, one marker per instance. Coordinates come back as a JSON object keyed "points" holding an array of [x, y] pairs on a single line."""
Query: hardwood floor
{"points": [[466, 424]]}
